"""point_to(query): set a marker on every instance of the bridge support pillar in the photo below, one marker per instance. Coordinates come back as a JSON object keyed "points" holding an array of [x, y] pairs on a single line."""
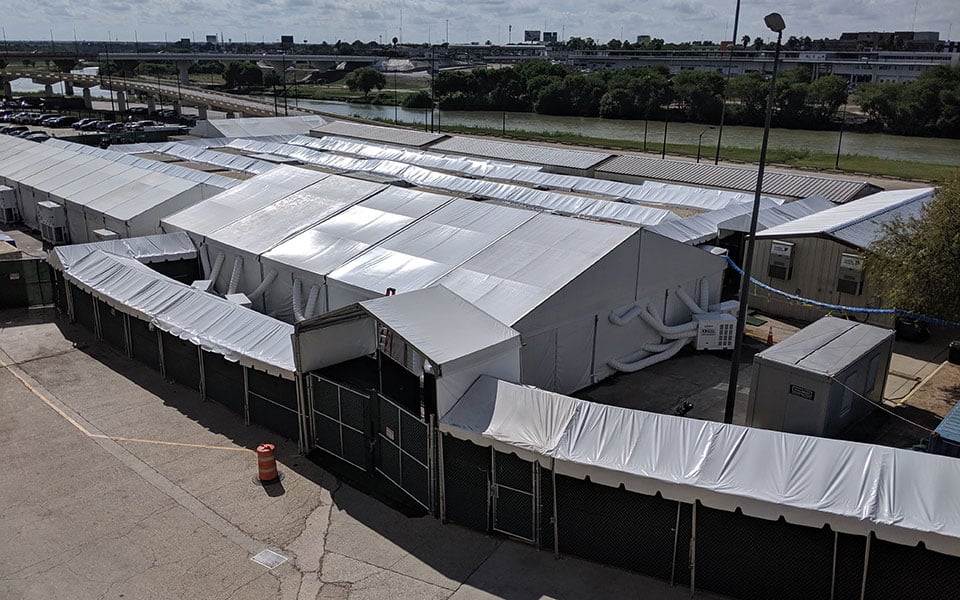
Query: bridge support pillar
{"points": [[183, 71], [202, 112], [7, 91], [68, 88], [48, 90], [177, 109], [121, 101], [87, 100], [151, 105]]}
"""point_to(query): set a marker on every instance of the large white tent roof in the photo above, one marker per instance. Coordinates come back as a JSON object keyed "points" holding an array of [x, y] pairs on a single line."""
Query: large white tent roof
{"points": [[237, 333], [336, 240], [146, 249], [257, 126], [271, 225], [902, 496], [241, 200]]}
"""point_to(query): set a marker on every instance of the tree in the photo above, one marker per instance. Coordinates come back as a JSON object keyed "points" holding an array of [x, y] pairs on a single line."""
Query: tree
{"points": [[914, 263], [746, 40], [242, 75], [758, 43], [364, 80]]}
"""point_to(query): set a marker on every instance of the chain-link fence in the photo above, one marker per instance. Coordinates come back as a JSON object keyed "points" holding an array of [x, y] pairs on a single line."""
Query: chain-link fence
{"points": [[272, 403], [26, 282], [895, 571], [466, 481], [181, 361]]}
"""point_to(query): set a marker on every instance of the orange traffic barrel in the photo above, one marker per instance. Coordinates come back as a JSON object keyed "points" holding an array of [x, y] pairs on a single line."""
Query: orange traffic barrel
{"points": [[266, 464]]}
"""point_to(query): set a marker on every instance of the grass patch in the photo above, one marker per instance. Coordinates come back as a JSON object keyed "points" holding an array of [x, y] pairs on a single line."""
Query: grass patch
{"points": [[802, 159]]}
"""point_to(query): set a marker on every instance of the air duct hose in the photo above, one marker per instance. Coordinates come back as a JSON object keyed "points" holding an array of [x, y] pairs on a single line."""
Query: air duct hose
{"points": [[705, 295], [690, 302], [311, 309], [632, 367], [665, 330], [297, 305], [217, 266], [235, 275], [269, 279]]}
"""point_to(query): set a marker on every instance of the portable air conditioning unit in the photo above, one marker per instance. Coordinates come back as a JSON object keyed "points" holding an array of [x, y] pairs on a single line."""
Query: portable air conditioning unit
{"points": [[53, 222], [103, 235], [9, 213], [715, 331], [781, 260]]}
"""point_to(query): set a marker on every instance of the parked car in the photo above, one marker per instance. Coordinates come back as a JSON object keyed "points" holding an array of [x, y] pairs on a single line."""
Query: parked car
{"points": [[63, 121], [94, 125], [138, 110], [39, 119], [114, 127], [102, 125], [140, 125], [38, 136], [14, 129], [25, 118], [23, 134], [79, 124]]}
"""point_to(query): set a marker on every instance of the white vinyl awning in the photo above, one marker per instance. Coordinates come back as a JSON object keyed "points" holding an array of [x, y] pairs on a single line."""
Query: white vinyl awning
{"points": [[901, 496], [147, 249], [216, 325], [442, 326]]}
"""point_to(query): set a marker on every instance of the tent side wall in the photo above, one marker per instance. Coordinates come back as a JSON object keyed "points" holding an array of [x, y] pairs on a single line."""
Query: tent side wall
{"points": [[454, 383], [148, 221], [816, 264]]}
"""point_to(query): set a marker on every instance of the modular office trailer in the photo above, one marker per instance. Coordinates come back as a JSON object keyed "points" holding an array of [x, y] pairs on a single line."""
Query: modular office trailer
{"points": [[823, 378]]}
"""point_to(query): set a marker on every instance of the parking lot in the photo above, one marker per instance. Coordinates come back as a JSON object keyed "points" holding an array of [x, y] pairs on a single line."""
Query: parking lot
{"points": [[122, 485]]}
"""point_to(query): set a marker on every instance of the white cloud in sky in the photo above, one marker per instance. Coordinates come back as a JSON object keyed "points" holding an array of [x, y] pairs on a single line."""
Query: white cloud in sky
{"points": [[479, 20]]}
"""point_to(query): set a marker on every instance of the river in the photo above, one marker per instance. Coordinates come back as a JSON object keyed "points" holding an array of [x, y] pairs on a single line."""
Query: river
{"points": [[929, 150]]}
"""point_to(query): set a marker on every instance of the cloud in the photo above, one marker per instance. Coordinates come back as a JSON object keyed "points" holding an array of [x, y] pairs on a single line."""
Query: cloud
{"points": [[478, 20]]}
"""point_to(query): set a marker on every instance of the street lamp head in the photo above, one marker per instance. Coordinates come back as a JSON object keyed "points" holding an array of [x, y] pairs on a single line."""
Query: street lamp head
{"points": [[775, 22]]}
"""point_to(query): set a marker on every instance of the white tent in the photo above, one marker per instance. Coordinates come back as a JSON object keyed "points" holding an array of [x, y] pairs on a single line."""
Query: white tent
{"points": [[902, 496], [312, 254], [146, 249]]}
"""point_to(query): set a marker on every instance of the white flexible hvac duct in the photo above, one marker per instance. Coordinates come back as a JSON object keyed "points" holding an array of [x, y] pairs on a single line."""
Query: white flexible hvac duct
{"points": [[235, 275], [297, 305], [690, 302], [269, 279], [311, 309], [665, 330], [705, 295], [217, 265], [629, 314], [634, 366]]}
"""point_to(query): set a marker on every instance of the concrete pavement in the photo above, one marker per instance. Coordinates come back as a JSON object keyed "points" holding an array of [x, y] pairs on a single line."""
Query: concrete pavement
{"points": [[121, 485]]}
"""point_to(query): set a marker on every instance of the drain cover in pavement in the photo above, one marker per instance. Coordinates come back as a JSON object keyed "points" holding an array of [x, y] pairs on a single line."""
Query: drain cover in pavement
{"points": [[269, 559]]}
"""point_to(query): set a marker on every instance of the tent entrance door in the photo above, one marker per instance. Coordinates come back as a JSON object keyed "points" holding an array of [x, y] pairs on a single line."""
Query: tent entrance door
{"points": [[514, 498], [405, 451], [340, 417]]}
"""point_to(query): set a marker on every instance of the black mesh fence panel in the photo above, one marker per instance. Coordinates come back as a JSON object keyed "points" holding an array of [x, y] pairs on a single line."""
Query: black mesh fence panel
{"points": [[273, 403], [513, 509], [185, 271], [60, 291], [143, 342], [466, 473], [399, 384], [340, 416], [180, 361], [897, 572], [413, 437], [416, 479], [25, 282], [111, 326], [83, 308], [223, 381], [681, 562], [402, 450], [752, 558], [849, 572], [615, 526]]}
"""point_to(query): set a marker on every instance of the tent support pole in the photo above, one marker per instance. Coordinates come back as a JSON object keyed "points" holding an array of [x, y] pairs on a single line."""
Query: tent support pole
{"points": [[303, 441], [693, 551], [593, 351], [203, 377], [676, 544], [556, 523], [833, 574], [443, 484], [432, 462], [246, 397], [71, 314], [866, 564], [535, 473], [97, 330]]}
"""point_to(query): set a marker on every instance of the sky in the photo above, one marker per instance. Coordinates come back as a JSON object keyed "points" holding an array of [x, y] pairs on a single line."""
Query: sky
{"points": [[478, 20]]}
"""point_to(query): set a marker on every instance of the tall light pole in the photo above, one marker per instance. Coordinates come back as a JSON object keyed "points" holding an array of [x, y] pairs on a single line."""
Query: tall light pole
{"points": [[723, 107], [843, 119], [775, 22], [700, 141]]}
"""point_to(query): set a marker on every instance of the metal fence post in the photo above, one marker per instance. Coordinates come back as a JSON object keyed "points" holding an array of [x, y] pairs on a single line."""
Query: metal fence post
{"points": [[163, 366], [676, 543], [443, 483], [432, 463], [203, 378], [693, 551], [246, 397], [97, 330], [866, 564], [556, 522], [833, 574], [127, 336]]}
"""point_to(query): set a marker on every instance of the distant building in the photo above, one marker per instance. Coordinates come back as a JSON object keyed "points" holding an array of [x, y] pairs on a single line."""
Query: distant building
{"points": [[286, 41], [549, 37], [643, 40], [531, 35]]}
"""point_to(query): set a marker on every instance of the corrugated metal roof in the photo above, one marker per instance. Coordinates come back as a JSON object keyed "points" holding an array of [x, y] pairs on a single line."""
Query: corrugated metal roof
{"points": [[257, 126], [949, 428], [522, 153], [827, 346], [705, 227], [787, 185], [857, 223], [377, 133]]}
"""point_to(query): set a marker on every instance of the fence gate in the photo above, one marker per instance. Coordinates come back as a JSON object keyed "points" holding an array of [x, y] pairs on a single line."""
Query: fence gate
{"points": [[405, 451], [514, 501], [340, 416]]}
